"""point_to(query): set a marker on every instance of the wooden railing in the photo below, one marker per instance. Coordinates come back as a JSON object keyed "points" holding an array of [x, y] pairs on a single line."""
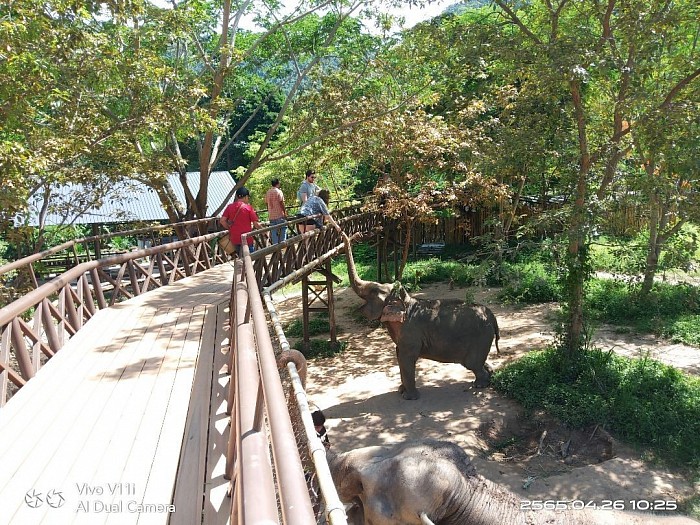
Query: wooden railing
{"points": [[273, 488], [269, 482], [36, 326], [76, 251]]}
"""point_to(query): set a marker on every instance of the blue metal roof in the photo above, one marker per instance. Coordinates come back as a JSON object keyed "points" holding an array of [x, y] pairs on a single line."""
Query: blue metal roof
{"points": [[126, 202]]}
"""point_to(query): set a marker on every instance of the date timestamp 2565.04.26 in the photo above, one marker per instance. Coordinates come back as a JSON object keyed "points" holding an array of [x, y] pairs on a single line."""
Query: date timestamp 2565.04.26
{"points": [[606, 504]]}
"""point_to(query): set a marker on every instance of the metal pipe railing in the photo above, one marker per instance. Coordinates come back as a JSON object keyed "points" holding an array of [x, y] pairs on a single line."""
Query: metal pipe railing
{"points": [[254, 485], [293, 492]]}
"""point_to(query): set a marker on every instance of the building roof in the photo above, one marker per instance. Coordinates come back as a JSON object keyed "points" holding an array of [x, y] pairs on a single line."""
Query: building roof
{"points": [[125, 202]]}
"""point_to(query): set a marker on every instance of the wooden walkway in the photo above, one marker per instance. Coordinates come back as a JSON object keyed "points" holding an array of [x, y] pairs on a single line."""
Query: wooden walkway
{"points": [[127, 423]]}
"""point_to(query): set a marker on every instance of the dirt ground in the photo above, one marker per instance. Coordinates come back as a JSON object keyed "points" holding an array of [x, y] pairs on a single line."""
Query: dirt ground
{"points": [[534, 457]]}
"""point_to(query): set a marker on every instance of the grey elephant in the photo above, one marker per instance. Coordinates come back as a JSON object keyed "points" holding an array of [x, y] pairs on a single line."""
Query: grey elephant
{"points": [[448, 331], [431, 482]]}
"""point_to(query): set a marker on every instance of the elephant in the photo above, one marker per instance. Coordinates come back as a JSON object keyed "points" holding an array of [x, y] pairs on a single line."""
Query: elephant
{"points": [[448, 331], [432, 482]]}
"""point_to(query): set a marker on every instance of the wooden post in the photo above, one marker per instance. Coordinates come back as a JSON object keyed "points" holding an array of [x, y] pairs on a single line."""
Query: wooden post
{"points": [[313, 300], [331, 301], [305, 309]]}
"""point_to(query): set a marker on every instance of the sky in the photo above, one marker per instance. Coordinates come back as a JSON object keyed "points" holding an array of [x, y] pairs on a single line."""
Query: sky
{"points": [[412, 15]]}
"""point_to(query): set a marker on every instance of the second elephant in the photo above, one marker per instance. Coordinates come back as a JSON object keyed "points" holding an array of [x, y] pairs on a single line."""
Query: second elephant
{"points": [[448, 331], [431, 482]]}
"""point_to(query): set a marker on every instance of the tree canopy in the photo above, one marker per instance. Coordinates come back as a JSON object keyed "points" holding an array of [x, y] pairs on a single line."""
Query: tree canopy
{"points": [[586, 103]]}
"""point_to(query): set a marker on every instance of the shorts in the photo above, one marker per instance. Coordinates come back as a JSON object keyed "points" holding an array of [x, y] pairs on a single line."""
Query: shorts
{"points": [[308, 221]]}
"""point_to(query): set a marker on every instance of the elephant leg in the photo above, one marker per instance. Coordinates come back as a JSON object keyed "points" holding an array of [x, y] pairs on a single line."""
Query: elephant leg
{"points": [[483, 376], [407, 365]]}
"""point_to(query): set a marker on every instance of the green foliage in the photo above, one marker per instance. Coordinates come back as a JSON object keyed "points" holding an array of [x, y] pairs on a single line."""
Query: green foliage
{"points": [[620, 256], [322, 348], [3, 252], [318, 324], [682, 250], [434, 269], [627, 256], [672, 311], [530, 282], [120, 243], [640, 401], [683, 329]]}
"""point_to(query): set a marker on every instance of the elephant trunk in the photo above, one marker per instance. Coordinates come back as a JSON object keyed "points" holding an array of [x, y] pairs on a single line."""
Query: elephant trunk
{"points": [[484, 503], [358, 285]]}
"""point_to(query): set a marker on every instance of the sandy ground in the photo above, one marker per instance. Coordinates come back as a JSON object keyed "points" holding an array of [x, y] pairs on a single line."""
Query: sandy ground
{"points": [[535, 457]]}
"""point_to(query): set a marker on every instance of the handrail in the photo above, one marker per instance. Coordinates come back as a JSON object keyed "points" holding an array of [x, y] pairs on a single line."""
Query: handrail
{"points": [[59, 308], [34, 296], [260, 420], [19, 263], [293, 492]]}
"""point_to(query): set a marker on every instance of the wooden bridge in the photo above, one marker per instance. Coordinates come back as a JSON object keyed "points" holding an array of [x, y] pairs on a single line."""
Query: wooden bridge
{"points": [[153, 387]]}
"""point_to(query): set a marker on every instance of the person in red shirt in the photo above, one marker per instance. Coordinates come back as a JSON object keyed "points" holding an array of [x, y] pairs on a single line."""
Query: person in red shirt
{"points": [[238, 218]]}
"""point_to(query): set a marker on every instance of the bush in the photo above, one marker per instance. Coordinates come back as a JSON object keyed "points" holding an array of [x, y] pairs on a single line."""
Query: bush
{"points": [[671, 311], [529, 282], [322, 348], [685, 329], [318, 324], [640, 401]]}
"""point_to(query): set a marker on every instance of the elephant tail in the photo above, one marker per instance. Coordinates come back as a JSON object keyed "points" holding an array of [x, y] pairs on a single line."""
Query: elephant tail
{"points": [[497, 333]]}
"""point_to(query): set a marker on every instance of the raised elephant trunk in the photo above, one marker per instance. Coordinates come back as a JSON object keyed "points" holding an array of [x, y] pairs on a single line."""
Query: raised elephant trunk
{"points": [[358, 285], [444, 330]]}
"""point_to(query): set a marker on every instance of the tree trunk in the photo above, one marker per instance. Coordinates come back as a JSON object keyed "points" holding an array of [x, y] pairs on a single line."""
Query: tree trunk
{"points": [[577, 253], [406, 247], [653, 248]]}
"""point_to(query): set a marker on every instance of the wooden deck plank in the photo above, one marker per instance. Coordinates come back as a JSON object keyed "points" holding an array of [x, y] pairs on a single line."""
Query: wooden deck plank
{"points": [[86, 447], [136, 449], [189, 487], [46, 466], [161, 478], [50, 404], [118, 387], [109, 444], [217, 505], [204, 289], [56, 368]]}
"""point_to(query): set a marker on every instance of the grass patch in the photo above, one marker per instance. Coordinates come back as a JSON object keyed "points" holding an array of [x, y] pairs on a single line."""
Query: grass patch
{"points": [[319, 348], [318, 324], [640, 401], [670, 311]]}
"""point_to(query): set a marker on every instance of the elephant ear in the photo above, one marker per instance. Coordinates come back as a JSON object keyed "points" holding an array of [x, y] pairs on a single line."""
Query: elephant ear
{"points": [[350, 486]]}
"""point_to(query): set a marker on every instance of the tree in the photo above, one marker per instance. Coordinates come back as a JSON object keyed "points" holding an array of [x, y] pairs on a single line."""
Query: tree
{"points": [[83, 100], [290, 56], [665, 149], [598, 55]]}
